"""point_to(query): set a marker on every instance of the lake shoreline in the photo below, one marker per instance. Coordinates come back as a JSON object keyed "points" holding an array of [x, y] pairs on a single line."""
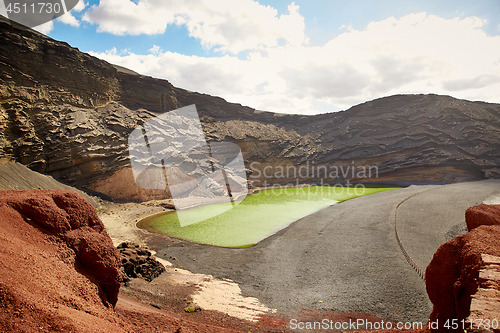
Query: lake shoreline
{"points": [[258, 216]]}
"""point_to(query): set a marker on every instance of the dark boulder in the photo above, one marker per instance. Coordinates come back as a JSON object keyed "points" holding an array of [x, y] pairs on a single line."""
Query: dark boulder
{"points": [[137, 262]]}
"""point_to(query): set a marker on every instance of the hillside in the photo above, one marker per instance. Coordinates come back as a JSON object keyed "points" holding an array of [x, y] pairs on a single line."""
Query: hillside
{"points": [[68, 114]]}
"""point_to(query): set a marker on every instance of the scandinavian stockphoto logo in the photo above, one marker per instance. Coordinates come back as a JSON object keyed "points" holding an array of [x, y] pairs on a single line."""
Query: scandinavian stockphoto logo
{"points": [[35, 12], [169, 152]]}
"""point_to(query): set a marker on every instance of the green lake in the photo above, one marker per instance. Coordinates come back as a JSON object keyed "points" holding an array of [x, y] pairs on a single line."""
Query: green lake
{"points": [[255, 218]]}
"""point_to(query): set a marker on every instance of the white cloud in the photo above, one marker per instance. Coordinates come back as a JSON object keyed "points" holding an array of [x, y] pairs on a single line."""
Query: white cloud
{"points": [[68, 18], [121, 17], [417, 53], [156, 50], [230, 26], [81, 5], [478, 82], [235, 26]]}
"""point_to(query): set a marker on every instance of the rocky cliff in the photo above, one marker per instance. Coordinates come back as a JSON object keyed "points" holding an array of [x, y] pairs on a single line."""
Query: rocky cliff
{"points": [[68, 114]]}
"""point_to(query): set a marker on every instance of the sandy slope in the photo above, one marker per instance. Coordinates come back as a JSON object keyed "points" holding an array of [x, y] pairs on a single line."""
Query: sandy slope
{"points": [[15, 176]]}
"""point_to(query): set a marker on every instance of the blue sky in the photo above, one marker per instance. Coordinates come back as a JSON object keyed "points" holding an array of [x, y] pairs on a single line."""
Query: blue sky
{"points": [[298, 57], [322, 18]]}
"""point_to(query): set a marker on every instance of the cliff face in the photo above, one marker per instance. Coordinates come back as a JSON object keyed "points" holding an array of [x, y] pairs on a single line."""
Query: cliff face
{"points": [[69, 114]]}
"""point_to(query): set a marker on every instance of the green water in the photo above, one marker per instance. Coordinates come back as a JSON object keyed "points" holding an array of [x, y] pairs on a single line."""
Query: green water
{"points": [[257, 217]]}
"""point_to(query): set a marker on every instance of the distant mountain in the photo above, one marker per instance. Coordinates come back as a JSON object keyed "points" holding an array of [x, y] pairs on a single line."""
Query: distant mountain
{"points": [[68, 114]]}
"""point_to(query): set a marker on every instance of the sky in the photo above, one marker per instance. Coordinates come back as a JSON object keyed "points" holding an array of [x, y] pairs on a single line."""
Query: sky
{"points": [[304, 56]]}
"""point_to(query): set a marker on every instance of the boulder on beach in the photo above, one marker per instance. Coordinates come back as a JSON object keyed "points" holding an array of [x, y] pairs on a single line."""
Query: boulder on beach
{"points": [[137, 262]]}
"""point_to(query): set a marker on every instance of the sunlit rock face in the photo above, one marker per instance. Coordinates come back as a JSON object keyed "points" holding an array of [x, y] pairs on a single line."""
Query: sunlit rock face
{"points": [[69, 114]]}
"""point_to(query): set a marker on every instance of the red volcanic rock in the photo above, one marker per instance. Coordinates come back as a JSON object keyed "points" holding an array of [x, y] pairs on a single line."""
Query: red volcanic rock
{"points": [[67, 216], [59, 273], [452, 275], [482, 215], [441, 274], [58, 266], [98, 260]]}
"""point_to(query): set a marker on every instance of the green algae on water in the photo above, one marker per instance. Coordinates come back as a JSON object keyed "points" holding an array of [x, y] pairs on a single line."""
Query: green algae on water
{"points": [[257, 217]]}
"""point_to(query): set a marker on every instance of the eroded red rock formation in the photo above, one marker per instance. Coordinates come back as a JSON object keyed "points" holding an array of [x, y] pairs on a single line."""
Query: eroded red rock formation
{"points": [[482, 215], [452, 277], [59, 269], [65, 216]]}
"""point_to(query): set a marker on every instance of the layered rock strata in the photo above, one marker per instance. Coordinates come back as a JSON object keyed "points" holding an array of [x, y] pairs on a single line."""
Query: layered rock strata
{"points": [[484, 313]]}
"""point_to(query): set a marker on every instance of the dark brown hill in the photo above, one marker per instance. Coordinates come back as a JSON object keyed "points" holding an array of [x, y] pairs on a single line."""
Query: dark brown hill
{"points": [[68, 114]]}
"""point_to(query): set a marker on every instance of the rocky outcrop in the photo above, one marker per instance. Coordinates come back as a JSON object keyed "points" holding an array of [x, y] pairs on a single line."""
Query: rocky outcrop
{"points": [[68, 114], [482, 215], [462, 278], [67, 219], [137, 262]]}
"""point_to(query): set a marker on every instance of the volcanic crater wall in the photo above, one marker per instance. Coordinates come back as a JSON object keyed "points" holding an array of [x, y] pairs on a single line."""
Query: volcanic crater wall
{"points": [[68, 114]]}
